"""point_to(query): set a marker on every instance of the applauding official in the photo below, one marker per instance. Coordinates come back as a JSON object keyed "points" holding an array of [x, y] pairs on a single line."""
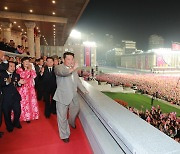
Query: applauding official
{"points": [[9, 81], [48, 78]]}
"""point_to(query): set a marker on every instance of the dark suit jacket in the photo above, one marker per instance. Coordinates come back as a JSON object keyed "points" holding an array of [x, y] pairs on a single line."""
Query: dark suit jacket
{"points": [[10, 93], [48, 80], [3, 46], [1, 98], [6, 47], [3, 67], [37, 68], [38, 81]]}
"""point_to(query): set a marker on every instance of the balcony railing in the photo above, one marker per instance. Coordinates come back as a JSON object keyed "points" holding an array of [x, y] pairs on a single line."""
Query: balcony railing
{"points": [[112, 128]]}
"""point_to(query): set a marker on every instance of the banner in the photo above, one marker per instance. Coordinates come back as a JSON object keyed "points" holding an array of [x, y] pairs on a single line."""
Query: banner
{"points": [[160, 62], [147, 62], [87, 56]]}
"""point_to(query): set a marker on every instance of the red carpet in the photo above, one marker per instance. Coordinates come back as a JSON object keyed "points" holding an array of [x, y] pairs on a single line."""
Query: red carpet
{"points": [[42, 137]]}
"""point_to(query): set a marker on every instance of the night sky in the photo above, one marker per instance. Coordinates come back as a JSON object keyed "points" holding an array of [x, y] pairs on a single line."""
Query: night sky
{"points": [[132, 20]]}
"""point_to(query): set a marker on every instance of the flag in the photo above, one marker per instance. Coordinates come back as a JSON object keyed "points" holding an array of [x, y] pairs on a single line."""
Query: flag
{"points": [[176, 46], [87, 56]]}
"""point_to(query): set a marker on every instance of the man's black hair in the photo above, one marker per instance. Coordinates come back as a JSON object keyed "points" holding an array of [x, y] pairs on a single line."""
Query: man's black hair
{"points": [[11, 62], [68, 53], [49, 58]]}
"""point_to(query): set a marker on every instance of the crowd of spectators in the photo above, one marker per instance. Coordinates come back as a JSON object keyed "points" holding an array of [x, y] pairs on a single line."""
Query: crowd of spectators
{"points": [[165, 87], [168, 123], [11, 47]]}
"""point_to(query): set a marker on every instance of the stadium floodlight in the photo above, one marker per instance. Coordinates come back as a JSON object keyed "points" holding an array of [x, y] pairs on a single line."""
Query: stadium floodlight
{"points": [[75, 34], [162, 51], [90, 44]]}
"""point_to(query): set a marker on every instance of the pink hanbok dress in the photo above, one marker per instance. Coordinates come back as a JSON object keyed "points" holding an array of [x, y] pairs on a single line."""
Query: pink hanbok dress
{"points": [[29, 104]]}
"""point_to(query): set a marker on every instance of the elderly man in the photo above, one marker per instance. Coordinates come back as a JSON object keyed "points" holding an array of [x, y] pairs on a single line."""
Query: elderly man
{"points": [[66, 94]]}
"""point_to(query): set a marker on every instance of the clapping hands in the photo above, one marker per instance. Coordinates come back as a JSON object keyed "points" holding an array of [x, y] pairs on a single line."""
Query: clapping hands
{"points": [[8, 80], [42, 70], [21, 81], [30, 66]]}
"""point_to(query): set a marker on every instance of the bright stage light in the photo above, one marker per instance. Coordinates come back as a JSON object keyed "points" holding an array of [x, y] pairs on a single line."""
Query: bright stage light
{"points": [[91, 44], [75, 34], [163, 51]]}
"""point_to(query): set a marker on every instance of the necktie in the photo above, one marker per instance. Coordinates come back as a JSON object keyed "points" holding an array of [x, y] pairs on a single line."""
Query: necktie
{"points": [[50, 69], [10, 75]]}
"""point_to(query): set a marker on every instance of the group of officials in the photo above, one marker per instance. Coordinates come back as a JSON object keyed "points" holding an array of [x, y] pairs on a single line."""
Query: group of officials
{"points": [[56, 85]]}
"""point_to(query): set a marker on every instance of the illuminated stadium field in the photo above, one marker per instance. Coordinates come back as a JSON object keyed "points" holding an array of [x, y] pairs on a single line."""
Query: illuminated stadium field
{"points": [[137, 101]]}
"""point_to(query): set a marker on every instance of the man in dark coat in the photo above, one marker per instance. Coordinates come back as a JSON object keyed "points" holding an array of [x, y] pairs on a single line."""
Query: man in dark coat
{"points": [[11, 98], [38, 81], [48, 78], [3, 67]]}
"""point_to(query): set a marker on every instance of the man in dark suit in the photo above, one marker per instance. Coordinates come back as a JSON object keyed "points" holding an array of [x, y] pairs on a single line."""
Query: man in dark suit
{"points": [[38, 81], [3, 61], [3, 45], [48, 78], [3, 67], [1, 133], [11, 98]]}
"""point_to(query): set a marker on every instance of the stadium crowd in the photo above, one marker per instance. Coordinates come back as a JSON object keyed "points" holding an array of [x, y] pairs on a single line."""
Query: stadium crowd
{"points": [[164, 87], [168, 123]]}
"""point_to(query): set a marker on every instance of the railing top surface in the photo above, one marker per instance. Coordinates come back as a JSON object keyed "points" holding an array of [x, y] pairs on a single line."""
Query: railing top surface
{"points": [[140, 136]]}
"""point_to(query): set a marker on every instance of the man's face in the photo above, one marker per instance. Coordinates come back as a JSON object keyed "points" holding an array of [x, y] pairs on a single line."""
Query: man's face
{"points": [[44, 58], [11, 67], [69, 60], [11, 59], [49, 62], [41, 62], [56, 62], [6, 57]]}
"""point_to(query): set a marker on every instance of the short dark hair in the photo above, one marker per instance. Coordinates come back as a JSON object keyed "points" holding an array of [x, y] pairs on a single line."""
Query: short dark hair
{"points": [[19, 46], [68, 53], [49, 58], [25, 58], [11, 62], [37, 60]]}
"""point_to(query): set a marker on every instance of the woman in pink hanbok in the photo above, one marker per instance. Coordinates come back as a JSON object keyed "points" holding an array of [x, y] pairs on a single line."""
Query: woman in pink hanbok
{"points": [[29, 105]]}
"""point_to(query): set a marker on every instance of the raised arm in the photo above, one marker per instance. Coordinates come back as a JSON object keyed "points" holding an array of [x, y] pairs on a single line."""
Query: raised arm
{"points": [[61, 70]]}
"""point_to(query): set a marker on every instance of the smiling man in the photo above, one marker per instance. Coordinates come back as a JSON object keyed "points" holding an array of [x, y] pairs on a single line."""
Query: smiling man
{"points": [[66, 94]]}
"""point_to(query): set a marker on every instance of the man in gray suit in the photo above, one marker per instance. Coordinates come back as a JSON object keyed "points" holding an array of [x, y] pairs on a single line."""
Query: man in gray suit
{"points": [[66, 94]]}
